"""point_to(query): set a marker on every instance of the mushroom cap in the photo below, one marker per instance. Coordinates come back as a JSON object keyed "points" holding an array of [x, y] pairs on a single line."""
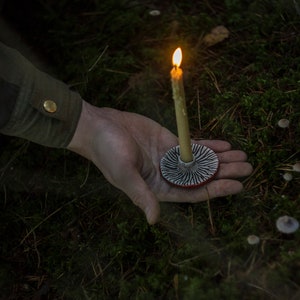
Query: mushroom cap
{"points": [[154, 12], [287, 224], [287, 176], [296, 167], [253, 239], [283, 123]]}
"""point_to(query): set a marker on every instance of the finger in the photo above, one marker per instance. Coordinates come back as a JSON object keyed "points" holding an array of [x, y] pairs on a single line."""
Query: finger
{"points": [[234, 170], [140, 194], [231, 156], [214, 189], [224, 187], [216, 145]]}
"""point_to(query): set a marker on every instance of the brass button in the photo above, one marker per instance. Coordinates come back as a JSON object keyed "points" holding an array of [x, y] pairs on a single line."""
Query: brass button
{"points": [[50, 106]]}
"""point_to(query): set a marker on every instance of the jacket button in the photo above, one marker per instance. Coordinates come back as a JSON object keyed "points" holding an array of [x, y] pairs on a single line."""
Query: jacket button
{"points": [[50, 106]]}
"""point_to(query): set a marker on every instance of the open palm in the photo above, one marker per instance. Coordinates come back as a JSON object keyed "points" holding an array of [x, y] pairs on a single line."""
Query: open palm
{"points": [[128, 147]]}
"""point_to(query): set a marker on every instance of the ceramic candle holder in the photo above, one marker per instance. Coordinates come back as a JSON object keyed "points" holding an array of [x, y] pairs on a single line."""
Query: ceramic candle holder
{"points": [[202, 169]]}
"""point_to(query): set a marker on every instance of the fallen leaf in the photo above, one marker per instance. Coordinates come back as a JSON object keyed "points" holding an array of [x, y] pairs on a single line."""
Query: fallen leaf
{"points": [[217, 35]]}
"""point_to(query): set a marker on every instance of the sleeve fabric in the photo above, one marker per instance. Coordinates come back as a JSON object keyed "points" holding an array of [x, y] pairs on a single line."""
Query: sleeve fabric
{"points": [[33, 105]]}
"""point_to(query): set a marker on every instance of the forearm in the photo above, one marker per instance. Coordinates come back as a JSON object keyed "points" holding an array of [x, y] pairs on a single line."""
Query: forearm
{"points": [[41, 108]]}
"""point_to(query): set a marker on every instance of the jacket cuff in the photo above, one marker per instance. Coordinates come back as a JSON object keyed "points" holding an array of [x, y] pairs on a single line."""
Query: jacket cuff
{"points": [[46, 111]]}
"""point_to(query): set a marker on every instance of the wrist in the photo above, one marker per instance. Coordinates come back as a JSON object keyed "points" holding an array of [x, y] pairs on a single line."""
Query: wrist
{"points": [[82, 134], [93, 122]]}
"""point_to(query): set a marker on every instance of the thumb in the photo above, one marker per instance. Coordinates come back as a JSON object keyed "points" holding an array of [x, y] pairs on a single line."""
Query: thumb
{"points": [[140, 194]]}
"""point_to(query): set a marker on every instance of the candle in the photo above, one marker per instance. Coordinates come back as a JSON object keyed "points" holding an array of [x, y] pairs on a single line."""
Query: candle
{"points": [[183, 130]]}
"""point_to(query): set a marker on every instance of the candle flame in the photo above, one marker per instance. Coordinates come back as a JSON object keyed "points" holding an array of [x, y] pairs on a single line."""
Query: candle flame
{"points": [[177, 57]]}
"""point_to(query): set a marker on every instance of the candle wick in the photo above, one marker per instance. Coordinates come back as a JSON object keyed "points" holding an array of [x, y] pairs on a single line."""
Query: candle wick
{"points": [[176, 66]]}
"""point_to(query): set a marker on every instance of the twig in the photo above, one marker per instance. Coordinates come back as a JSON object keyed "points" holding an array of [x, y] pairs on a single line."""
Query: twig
{"points": [[44, 220], [199, 115], [297, 7], [212, 226], [262, 289], [214, 79], [97, 60], [86, 176]]}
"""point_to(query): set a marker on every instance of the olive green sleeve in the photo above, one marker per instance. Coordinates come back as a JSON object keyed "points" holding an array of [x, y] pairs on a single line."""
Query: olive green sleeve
{"points": [[45, 110]]}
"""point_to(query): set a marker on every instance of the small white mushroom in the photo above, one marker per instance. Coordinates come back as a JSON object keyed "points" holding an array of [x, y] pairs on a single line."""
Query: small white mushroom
{"points": [[287, 176], [283, 123], [154, 12], [287, 224], [296, 167], [253, 239]]}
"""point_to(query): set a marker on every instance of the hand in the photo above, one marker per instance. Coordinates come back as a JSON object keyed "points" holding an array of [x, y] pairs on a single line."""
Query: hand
{"points": [[127, 148]]}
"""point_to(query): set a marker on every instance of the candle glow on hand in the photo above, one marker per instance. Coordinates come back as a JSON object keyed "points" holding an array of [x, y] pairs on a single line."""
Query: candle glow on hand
{"points": [[186, 154]]}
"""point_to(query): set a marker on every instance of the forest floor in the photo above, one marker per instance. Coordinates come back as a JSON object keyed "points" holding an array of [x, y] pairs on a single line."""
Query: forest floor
{"points": [[66, 233]]}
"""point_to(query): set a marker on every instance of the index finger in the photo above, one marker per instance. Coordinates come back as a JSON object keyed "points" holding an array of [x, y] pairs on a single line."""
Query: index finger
{"points": [[215, 145]]}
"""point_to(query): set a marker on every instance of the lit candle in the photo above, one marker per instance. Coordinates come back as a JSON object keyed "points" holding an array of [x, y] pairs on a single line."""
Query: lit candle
{"points": [[183, 130]]}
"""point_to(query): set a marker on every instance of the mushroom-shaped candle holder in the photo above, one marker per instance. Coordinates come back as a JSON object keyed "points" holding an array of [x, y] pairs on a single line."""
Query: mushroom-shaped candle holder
{"points": [[199, 171]]}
